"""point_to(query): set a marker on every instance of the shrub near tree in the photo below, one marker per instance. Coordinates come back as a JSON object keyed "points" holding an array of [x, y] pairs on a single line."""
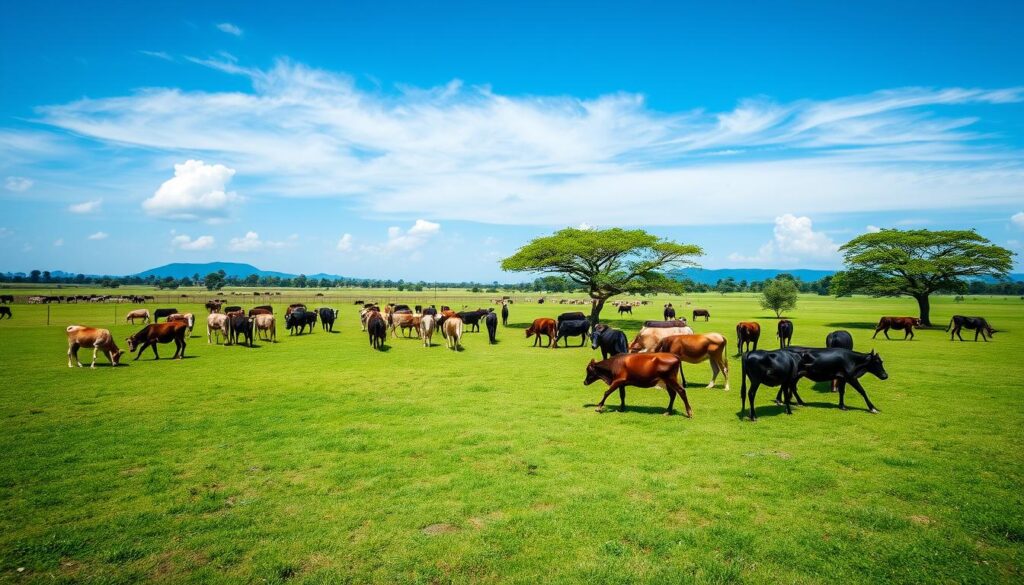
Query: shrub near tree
{"points": [[779, 295]]}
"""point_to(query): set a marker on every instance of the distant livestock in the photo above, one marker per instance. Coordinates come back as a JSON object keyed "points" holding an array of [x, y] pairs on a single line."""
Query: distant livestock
{"points": [[906, 324], [643, 371], [785, 333], [701, 313], [625, 309], [504, 315], [669, 313], [156, 333], [5, 312], [978, 324], [90, 337]]}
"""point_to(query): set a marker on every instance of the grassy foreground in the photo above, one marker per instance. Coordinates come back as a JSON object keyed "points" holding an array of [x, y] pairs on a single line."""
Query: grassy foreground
{"points": [[318, 460]]}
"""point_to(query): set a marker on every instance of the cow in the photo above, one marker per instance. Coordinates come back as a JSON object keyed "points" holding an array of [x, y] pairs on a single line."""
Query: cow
{"points": [[747, 333], [669, 313], [231, 309], [571, 316], [377, 328], [216, 324], [240, 327], [6, 312], [137, 314], [162, 313], [432, 311], [292, 308], [701, 313], [649, 337], [847, 366], [259, 311], [98, 339], [693, 349], [625, 309], [188, 318], [772, 368], [643, 371], [6, 299], [327, 318], [427, 324], [907, 324], [453, 332], [300, 319], [978, 324], [406, 321], [491, 321], [213, 306], [785, 333], [472, 318], [567, 329], [611, 341], [267, 325], [672, 323], [542, 326], [156, 333], [504, 315], [839, 338]]}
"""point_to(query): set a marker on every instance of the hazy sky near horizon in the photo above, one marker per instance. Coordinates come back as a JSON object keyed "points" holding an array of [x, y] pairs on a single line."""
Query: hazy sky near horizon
{"points": [[428, 140]]}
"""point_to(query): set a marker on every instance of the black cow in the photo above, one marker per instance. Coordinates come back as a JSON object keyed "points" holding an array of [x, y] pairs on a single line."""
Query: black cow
{"points": [[6, 299], [571, 316], [231, 309], [377, 328], [240, 327], [669, 314], [267, 308], [504, 315], [625, 309], [327, 317], [572, 328], [163, 313], [841, 339], [491, 320], [400, 308], [5, 312], [772, 368], [844, 365], [785, 333], [300, 319], [978, 324], [430, 311], [611, 341], [472, 318]]}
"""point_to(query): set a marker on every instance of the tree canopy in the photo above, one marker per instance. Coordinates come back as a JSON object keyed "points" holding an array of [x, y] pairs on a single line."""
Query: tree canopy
{"points": [[779, 295], [917, 263], [606, 262]]}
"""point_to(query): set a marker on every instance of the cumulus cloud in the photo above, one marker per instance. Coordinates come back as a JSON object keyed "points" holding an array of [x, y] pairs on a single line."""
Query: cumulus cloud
{"points": [[345, 243], [18, 184], [184, 242], [1018, 219], [86, 206], [794, 240], [251, 242], [197, 191], [229, 28], [99, 236], [412, 239]]}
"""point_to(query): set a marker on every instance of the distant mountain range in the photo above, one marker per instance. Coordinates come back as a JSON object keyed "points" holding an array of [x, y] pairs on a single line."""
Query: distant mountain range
{"points": [[713, 275], [236, 269]]}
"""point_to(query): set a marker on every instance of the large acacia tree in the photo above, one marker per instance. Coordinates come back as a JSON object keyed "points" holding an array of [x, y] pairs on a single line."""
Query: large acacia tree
{"points": [[917, 263], [606, 262]]}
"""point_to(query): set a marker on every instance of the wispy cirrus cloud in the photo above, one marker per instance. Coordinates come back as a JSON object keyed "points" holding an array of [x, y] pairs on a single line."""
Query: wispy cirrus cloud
{"points": [[467, 153], [18, 184], [227, 27], [86, 207]]}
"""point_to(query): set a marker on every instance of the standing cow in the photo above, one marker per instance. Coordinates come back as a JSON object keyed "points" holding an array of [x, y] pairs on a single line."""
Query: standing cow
{"points": [[906, 324], [785, 333], [978, 324], [491, 321], [747, 334]]}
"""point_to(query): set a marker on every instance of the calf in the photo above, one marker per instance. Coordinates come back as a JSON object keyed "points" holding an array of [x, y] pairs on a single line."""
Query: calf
{"points": [[611, 341], [701, 313], [491, 320], [156, 333], [747, 333], [907, 324], [572, 328], [772, 368], [542, 326], [327, 318], [978, 324], [162, 313], [643, 371], [97, 339], [785, 333]]}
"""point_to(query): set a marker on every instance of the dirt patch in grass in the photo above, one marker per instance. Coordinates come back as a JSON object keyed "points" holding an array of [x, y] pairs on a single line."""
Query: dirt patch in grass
{"points": [[441, 528]]}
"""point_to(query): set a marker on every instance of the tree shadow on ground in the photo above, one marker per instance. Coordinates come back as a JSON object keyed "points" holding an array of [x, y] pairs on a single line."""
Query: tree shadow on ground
{"points": [[853, 325]]}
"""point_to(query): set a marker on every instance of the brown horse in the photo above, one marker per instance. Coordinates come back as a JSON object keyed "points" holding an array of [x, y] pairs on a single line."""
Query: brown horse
{"points": [[693, 349]]}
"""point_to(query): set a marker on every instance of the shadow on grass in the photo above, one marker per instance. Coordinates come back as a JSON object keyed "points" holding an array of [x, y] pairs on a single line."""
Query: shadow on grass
{"points": [[853, 325], [615, 408]]}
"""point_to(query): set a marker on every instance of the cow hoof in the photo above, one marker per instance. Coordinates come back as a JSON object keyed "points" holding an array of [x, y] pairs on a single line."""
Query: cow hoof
{"points": [[842, 408], [874, 411], [689, 414], [667, 413], [599, 409]]}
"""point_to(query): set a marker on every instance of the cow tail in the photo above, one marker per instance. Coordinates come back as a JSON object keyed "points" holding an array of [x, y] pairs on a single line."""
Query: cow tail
{"points": [[743, 384], [950, 325]]}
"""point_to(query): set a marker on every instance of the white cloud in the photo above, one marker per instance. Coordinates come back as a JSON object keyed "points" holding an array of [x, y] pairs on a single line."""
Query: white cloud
{"points": [[873, 229], [467, 153], [99, 236], [412, 239], [184, 242], [1018, 219], [251, 242], [18, 184], [197, 191], [158, 54], [230, 29], [58, 242], [794, 240], [86, 206], [345, 243]]}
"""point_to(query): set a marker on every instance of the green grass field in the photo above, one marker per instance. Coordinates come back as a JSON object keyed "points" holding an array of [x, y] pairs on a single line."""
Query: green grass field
{"points": [[318, 460]]}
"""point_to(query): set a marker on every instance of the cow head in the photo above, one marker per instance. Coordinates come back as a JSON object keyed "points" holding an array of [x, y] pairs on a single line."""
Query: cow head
{"points": [[115, 356], [917, 322], [131, 343], [592, 375], [876, 367]]}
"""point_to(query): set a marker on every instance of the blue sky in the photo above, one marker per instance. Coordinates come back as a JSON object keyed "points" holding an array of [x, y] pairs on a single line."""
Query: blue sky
{"points": [[427, 140]]}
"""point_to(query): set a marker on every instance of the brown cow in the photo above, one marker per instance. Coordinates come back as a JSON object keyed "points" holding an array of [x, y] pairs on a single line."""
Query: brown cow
{"points": [[907, 324], [747, 332], [543, 326], [97, 339], [693, 349], [643, 370], [701, 313], [137, 314], [649, 337], [404, 321], [155, 333], [188, 318]]}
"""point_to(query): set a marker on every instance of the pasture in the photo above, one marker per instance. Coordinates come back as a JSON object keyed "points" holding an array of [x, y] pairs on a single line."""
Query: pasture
{"points": [[318, 460]]}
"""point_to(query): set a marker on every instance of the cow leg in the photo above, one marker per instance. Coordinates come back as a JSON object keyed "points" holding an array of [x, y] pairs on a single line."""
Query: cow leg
{"points": [[671, 399], [842, 394], [886, 332], [622, 399], [95, 350], [611, 388], [73, 353], [856, 385], [957, 334], [797, 396], [789, 388], [583, 339], [753, 392], [680, 389], [154, 351], [976, 332], [714, 373]]}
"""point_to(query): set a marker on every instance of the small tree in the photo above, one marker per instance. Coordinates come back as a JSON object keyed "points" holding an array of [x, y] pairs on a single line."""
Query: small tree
{"points": [[779, 295], [214, 281]]}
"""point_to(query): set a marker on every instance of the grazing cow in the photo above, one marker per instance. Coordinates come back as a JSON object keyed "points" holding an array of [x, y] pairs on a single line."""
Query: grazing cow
{"points": [[292, 308], [907, 324], [5, 312], [649, 337], [567, 329], [232, 309], [669, 313], [97, 339], [406, 321], [213, 306], [240, 327], [673, 323], [747, 333], [267, 325], [840, 338], [772, 368], [453, 332], [155, 333], [300, 319], [162, 313], [216, 324], [377, 328], [611, 341], [542, 326], [327, 318], [188, 318], [640, 370], [571, 316], [978, 324], [625, 309], [472, 318], [785, 333], [137, 314], [491, 320], [427, 324], [823, 365], [701, 313], [504, 315], [6, 299], [693, 349]]}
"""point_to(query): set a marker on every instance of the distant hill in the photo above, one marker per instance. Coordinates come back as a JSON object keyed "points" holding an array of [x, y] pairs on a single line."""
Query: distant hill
{"points": [[711, 276], [183, 269]]}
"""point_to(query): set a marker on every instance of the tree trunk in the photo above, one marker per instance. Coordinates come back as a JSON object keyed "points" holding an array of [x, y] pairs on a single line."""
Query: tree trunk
{"points": [[925, 308], [595, 311]]}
